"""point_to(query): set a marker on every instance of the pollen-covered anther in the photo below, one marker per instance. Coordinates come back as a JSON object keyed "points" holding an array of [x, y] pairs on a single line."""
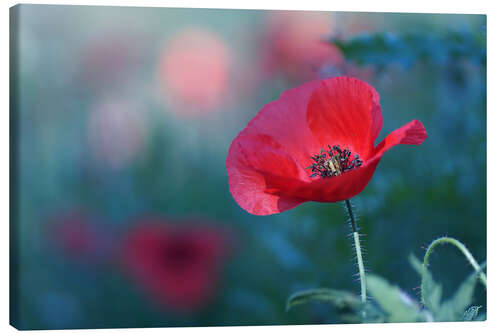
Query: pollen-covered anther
{"points": [[333, 162]]}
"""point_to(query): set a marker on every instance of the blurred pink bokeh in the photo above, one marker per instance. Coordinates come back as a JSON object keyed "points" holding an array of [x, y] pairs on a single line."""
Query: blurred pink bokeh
{"points": [[294, 44], [194, 71], [116, 132]]}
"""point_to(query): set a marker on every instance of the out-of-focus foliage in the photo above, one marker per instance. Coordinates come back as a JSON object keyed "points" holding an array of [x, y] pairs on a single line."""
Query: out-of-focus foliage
{"points": [[397, 306], [384, 49], [388, 303]]}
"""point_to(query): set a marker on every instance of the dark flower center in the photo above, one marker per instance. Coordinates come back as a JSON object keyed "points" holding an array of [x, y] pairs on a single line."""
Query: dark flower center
{"points": [[333, 162], [181, 253]]}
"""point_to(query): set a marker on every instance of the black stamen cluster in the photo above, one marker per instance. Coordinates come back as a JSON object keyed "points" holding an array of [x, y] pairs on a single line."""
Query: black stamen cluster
{"points": [[333, 162]]}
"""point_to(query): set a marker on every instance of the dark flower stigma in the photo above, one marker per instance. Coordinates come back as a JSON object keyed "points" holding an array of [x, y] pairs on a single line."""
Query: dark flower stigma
{"points": [[333, 162]]}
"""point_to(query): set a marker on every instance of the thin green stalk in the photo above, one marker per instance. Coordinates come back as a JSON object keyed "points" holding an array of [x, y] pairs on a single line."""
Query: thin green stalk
{"points": [[462, 248], [357, 245]]}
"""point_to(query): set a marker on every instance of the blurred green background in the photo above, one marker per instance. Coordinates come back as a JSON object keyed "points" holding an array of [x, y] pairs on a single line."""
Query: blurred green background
{"points": [[121, 114]]}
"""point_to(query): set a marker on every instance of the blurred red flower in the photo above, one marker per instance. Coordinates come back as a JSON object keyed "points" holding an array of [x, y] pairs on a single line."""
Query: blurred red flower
{"points": [[294, 43], [194, 71], [177, 265], [328, 126]]}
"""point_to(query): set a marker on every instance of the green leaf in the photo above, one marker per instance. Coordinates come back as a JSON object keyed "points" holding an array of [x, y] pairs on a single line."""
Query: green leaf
{"points": [[431, 290], [415, 263], [471, 313], [455, 307], [452, 309], [339, 298], [397, 304], [372, 314]]}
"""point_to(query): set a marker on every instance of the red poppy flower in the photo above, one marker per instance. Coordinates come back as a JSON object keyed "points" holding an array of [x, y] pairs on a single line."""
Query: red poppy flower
{"points": [[315, 143], [177, 265]]}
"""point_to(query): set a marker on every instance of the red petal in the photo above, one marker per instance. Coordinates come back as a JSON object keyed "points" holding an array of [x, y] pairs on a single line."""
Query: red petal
{"points": [[353, 182], [257, 171], [345, 111], [413, 133], [285, 121], [338, 188], [271, 154]]}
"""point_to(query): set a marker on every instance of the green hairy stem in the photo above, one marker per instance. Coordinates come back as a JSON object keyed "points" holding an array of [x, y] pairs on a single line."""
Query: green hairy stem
{"points": [[357, 245], [462, 248]]}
